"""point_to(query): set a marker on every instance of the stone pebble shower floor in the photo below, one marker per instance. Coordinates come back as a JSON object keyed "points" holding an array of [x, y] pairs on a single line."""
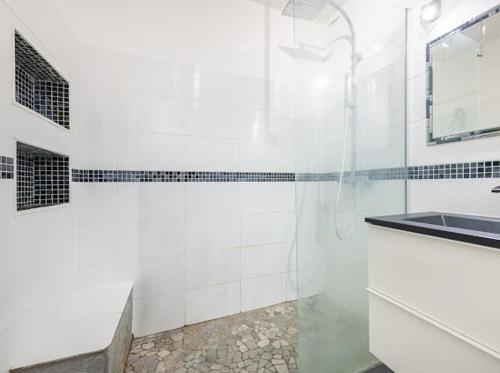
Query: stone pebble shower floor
{"points": [[261, 341]]}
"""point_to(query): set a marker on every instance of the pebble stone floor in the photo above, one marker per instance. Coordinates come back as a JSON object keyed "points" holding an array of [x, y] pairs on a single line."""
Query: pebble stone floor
{"points": [[261, 341]]}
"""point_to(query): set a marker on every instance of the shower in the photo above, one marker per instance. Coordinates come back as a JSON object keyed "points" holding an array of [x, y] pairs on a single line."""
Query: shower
{"points": [[310, 10]]}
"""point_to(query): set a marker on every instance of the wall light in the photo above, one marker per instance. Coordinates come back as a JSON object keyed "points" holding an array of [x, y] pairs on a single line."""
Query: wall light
{"points": [[431, 11]]}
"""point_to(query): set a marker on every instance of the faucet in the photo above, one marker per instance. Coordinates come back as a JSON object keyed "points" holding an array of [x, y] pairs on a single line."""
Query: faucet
{"points": [[496, 189]]}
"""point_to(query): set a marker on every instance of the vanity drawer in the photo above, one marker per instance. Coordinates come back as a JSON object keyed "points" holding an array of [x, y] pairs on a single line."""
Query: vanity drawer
{"points": [[409, 344], [457, 284]]}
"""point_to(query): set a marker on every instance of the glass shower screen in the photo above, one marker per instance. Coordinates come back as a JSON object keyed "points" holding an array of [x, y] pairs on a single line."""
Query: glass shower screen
{"points": [[350, 68]]}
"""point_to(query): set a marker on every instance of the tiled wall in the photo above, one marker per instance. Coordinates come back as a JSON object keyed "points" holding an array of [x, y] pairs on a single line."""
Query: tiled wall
{"points": [[189, 193], [195, 250], [465, 195], [38, 249]]}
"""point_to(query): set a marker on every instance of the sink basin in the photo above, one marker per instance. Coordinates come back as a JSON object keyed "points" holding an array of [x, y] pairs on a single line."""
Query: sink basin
{"points": [[467, 228], [453, 221]]}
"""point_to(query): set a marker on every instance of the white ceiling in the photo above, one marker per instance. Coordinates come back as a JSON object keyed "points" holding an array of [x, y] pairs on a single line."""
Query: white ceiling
{"points": [[277, 4]]}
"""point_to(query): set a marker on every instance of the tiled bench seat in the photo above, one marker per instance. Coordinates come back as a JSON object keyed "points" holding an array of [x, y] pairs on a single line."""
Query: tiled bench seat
{"points": [[91, 333]]}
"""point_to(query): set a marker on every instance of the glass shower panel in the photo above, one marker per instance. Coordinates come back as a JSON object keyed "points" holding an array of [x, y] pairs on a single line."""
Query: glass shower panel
{"points": [[350, 67]]}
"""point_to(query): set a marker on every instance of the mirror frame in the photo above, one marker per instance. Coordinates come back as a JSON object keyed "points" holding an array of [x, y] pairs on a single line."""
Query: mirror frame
{"points": [[431, 140]]}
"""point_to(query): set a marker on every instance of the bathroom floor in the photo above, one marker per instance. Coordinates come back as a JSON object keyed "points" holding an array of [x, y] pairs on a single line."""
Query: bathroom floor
{"points": [[263, 340]]}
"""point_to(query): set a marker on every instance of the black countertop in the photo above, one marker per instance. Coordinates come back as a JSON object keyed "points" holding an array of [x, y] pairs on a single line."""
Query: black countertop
{"points": [[472, 229]]}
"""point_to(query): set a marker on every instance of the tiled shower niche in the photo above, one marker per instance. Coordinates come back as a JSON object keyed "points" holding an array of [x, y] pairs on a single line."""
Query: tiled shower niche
{"points": [[42, 178], [39, 86]]}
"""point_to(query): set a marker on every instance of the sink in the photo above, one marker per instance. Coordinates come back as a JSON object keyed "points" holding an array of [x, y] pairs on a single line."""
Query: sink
{"points": [[453, 221], [467, 228]]}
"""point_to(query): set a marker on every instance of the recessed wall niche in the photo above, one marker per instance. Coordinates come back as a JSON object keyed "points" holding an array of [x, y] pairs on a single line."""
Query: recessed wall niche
{"points": [[39, 86], [42, 178]]}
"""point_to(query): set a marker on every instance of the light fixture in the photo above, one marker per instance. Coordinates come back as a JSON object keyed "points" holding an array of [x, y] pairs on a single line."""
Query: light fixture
{"points": [[431, 11]]}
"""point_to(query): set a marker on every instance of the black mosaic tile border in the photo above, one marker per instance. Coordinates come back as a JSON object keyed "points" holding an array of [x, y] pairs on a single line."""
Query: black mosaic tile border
{"points": [[467, 170], [119, 176], [6, 168]]}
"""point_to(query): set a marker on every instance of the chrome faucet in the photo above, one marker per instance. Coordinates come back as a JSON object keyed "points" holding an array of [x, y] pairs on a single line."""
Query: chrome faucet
{"points": [[496, 189]]}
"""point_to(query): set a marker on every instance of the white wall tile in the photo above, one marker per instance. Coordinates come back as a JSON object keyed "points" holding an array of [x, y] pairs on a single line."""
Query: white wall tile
{"points": [[162, 200], [263, 291], [97, 107], [204, 268], [262, 156], [291, 256], [165, 115], [96, 202], [291, 286], [154, 276], [265, 125], [263, 197], [127, 150], [207, 199], [210, 120], [98, 244], [158, 313], [6, 50], [466, 196], [417, 98], [161, 238], [128, 240], [97, 275], [200, 305], [96, 66], [128, 201], [213, 232], [262, 228], [161, 152], [96, 148], [290, 227], [132, 111], [289, 196], [211, 154], [263, 260]]}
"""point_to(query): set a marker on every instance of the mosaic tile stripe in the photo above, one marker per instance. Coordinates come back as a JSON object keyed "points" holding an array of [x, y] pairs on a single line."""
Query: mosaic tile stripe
{"points": [[118, 176], [6, 168], [467, 170]]}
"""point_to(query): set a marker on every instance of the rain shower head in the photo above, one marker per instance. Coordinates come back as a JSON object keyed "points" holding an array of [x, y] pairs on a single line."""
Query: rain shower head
{"points": [[303, 54], [305, 9]]}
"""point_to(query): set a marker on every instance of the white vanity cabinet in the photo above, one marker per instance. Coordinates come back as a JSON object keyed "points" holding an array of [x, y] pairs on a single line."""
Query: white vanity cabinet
{"points": [[434, 303]]}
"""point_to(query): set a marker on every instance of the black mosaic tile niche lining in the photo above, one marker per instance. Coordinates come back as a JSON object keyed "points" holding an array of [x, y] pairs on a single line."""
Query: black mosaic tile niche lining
{"points": [[39, 86], [6, 168], [42, 178]]}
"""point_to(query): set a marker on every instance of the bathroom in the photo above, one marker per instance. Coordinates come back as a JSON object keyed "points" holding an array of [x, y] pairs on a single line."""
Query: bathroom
{"points": [[249, 186]]}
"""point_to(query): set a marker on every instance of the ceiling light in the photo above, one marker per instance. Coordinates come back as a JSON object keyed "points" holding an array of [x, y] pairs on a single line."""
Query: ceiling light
{"points": [[431, 11]]}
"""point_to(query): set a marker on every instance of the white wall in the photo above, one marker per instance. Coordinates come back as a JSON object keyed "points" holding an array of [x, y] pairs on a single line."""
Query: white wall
{"points": [[38, 249], [196, 251], [446, 195]]}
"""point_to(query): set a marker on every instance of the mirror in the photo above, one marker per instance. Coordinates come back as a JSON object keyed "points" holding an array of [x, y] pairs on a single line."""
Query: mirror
{"points": [[463, 81]]}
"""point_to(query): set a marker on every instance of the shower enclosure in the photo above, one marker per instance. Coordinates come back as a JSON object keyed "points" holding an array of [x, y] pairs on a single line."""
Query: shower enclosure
{"points": [[350, 83]]}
